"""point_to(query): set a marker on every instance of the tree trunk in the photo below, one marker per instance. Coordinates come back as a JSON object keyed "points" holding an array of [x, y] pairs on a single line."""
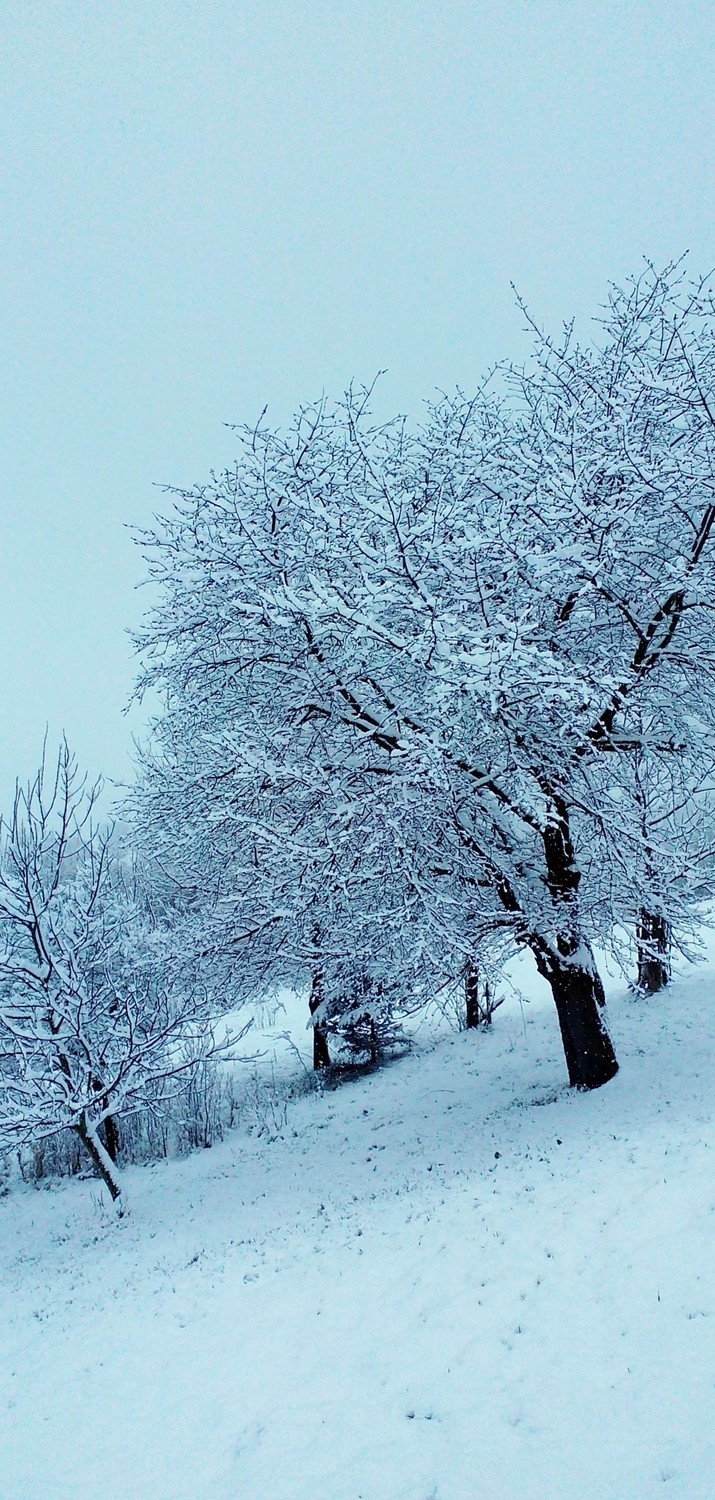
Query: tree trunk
{"points": [[374, 1044], [568, 962], [100, 1157], [108, 1131], [471, 996], [577, 992], [321, 1054], [653, 937], [110, 1137]]}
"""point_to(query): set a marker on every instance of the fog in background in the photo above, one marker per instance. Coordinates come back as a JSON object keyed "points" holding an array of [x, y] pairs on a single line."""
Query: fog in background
{"points": [[208, 207]]}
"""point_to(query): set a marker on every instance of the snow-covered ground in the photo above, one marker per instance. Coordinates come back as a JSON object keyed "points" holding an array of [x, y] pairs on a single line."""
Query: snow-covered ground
{"points": [[450, 1280]]}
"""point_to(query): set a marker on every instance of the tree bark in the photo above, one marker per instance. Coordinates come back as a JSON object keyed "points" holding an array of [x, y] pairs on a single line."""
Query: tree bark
{"points": [[110, 1137], [568, 965], [321, 1053], [374, 1045], [577, 991], [653, 937], [471, 996], [108, 1131], [100, 1157]]}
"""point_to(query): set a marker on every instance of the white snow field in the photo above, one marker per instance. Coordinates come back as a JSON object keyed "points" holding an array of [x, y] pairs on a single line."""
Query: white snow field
{"points": [[449, 1280]]}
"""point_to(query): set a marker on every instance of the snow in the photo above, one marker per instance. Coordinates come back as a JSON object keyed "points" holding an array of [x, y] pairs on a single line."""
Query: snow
{"points": [[449, 1280]]}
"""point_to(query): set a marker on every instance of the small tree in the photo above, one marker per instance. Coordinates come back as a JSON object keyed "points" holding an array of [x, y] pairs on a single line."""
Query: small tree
{"points": [[95, 1008], [286, 885]]}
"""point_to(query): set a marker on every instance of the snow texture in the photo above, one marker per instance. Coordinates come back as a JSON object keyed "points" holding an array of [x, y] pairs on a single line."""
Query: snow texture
{"points": [[452, 1279]]}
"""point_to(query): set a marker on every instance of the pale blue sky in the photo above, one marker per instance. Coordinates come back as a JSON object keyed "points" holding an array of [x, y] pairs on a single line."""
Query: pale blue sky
{"points": [[210, 206]]}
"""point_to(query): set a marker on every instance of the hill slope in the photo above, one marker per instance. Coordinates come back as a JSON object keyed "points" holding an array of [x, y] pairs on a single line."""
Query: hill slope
{"points": [[451, 1280]]}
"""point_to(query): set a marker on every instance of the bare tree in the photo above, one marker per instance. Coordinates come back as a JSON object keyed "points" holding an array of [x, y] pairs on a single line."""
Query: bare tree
{"points": [[95, 1005]]}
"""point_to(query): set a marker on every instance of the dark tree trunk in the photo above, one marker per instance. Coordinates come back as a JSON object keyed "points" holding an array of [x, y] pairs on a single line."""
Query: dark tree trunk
{"points": [[471, 996], [321, 1054], [653, 937], [577, 993], [110, 1137], [374, 1043], [479, 1003], [568, 963], [99, 1157], [108, 1131]]}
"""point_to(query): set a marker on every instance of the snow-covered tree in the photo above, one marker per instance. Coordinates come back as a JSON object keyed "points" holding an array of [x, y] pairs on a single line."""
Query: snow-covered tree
{"points": [[672, 872], [97, 1003], [285, 884], [447, 634]]}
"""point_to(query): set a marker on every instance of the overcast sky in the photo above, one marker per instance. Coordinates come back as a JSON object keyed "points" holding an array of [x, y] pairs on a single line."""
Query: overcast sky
{"points": [[213, 205]]}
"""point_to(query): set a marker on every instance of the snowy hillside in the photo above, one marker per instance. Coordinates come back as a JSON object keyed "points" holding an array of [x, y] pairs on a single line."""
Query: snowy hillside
{"points": [[450, 1280]]}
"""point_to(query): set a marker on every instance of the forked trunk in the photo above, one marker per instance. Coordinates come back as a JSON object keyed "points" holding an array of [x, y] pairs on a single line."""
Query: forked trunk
{"points": [[653, 937], [100, 1158]]}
